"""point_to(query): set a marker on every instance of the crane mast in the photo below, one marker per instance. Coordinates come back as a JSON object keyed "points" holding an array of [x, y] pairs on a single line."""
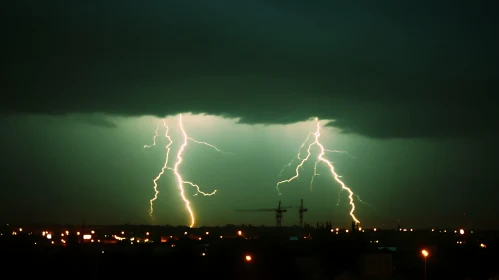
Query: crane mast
{"points": [[301, 211]]}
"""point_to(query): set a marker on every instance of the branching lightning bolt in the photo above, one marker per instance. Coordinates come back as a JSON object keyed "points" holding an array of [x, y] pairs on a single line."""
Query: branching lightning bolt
{"points": [[320, 159], [165, 166], [180, 180], [209, 145], [297, 155]]}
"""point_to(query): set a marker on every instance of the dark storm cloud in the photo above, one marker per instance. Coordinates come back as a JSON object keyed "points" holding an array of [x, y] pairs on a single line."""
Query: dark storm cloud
{"points": [[379, 68], [92, 119]]}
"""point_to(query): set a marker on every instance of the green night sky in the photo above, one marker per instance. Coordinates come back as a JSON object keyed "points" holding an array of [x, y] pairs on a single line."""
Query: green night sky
{"points": [[408, 90], [66, 170]]}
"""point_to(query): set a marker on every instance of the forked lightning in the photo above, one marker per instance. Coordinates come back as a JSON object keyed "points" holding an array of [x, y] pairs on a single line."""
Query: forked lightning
{"points": [[178, 176], [165, 166], [320, 159]]}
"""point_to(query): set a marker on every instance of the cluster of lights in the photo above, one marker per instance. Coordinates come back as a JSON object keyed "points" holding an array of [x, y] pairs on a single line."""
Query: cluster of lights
{"points": [[248, 258], [346, 230], [460, 231], [132, 239], [86, 237]]}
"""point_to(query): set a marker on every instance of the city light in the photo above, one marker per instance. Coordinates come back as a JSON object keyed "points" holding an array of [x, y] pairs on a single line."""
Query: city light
{"points": [[248, 258], [49, 236], [425, 253], [461, 231], [87, 237]]}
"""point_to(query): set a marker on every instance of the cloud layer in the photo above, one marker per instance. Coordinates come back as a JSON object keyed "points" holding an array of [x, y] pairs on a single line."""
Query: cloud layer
{"points": [[378, 68]]}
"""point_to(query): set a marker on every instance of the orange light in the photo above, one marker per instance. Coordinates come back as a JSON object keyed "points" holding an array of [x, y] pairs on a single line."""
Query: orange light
{"points": [[248, 258], [87, 236], [425, 253]]}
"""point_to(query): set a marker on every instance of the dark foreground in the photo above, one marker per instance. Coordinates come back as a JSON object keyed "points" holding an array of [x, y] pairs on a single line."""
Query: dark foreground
{"points": [[270, 259]]}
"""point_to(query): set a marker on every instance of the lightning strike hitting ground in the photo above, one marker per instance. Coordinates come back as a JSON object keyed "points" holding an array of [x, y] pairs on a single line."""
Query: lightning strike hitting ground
{"points": [[320, 158], [165, 166], [180, 181]]}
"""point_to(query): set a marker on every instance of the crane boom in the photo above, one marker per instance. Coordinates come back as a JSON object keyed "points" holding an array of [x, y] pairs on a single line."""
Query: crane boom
{"points": [[279, 210], [264, 210]]}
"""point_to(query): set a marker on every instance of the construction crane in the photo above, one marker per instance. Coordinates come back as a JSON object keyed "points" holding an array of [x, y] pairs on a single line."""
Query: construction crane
{"points": [[278, 212], [301, 211]]}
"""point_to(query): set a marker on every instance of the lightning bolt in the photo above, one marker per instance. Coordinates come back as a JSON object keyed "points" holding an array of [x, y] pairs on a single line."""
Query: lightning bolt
{"points": [[315, 174], [153, 138], [180, 180], [341, 152], [297, 155], [165, 166], [320, 159], [210, 145]]}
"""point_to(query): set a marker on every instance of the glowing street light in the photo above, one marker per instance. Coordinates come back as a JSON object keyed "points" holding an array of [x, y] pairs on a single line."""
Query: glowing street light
{"points": [[425, 254], [248, 258]]}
